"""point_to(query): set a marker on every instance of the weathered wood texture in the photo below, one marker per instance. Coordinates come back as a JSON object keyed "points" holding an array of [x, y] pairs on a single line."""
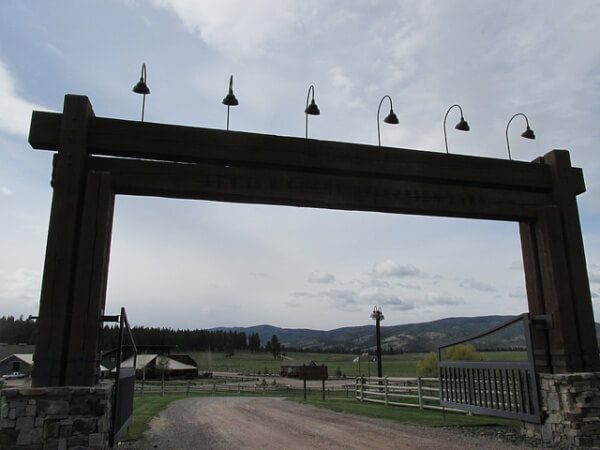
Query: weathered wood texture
{"points": [[564, 193], [149, 141], [320, 190], [90, 280], [56, 296], [533, 285], [140, 158]]}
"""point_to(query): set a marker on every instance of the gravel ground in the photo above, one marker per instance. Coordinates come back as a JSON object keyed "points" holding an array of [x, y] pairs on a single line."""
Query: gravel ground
{"points": [[274, 423]]}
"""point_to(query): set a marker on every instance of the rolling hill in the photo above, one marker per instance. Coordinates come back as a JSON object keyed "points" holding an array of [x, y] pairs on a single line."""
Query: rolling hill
{"points": [[415, 337]]}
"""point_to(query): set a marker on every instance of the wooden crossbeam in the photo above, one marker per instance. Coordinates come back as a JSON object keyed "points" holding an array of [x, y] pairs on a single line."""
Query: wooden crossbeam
{"points": [[333, 191], [144, 140]]}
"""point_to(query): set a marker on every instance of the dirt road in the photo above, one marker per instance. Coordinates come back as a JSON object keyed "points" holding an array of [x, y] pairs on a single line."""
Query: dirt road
{"points": [[274, 423]]}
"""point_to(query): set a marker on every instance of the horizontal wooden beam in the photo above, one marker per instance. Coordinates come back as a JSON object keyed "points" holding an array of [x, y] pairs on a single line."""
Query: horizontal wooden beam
{"points": [[348, 192], [144, 140]]}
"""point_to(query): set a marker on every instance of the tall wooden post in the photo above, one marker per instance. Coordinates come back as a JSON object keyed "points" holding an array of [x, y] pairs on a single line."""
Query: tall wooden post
{"points": [[556, 277], [56, 299], [90, 281]]}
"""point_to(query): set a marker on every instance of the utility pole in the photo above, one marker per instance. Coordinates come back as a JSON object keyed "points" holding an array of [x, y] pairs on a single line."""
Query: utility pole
{"points": [[377, 315]]}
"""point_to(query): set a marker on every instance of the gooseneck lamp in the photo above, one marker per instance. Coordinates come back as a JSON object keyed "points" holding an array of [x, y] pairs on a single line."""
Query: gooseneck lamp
{"points": [[462, 125], [311, 109], [391, 118], [527, 134], [230, 99], [142, 88]]}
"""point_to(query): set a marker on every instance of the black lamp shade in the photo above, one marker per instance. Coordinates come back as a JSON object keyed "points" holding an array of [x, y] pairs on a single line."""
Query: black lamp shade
{"points": [[141, 87], [230, 100], [392, 118], [462, 125], [312, 109], [528, 133]]}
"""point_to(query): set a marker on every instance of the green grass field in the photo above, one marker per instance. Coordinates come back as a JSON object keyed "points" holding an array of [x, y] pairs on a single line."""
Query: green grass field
{"points": [[393, 365]]}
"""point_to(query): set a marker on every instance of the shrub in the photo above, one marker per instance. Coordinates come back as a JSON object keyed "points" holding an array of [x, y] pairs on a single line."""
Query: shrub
{"points": [[466, 352]]}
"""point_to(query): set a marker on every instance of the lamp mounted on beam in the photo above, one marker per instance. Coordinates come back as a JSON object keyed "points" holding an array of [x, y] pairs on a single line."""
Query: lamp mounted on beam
{"points": [[527, 134], [142, 88], [311, 109], [391, 118], [462, 125], [230, 99]]}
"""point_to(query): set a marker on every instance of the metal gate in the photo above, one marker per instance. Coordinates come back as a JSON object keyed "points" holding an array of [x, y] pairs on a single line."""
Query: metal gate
{"points": [[122, 412], [497, 388]]}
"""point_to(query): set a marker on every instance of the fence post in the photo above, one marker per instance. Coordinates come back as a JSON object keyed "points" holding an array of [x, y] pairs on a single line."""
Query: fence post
{"points": [[238, 389], [362, 389], [385, 381], [163, 388], [420, 389], [187, 392]]}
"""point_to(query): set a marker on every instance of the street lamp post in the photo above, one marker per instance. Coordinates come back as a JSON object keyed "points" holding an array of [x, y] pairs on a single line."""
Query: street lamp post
{"points": [[377, 315]]}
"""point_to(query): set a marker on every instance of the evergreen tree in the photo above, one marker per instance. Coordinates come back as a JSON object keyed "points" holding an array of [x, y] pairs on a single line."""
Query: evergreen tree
{"points": [[254, 342], [275, 346]]}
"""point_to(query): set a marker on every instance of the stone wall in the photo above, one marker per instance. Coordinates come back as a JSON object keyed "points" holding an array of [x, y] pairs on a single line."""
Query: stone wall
{"points": [[56, 418], [571, 403]]}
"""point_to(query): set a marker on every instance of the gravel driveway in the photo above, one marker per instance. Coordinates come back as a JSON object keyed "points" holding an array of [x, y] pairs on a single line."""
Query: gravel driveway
{"points": [[275, 423]]}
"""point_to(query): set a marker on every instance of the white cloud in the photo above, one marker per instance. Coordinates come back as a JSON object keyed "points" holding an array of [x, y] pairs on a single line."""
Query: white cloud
{"points": [[435, 299], [478, 285], [15, 113], [390, 268], [321, 277], [20, 290], [242, 28], [5, 191]]}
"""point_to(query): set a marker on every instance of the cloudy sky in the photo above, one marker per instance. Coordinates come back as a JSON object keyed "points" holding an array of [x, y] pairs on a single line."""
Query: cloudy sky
{"points": [[191, 264]]}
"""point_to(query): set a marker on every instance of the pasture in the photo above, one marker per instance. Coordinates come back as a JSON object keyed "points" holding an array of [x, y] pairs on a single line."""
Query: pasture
{"points": [[262, 363]]}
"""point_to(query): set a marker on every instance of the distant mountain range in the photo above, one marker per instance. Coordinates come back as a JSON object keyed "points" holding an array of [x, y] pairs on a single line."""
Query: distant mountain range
{"points": [[408, 338]]}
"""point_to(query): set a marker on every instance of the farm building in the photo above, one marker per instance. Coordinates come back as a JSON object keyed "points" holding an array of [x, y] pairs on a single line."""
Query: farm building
{"points": [[11, 349], [17, 362], [109, 357], [308, 370], [152, 366]]}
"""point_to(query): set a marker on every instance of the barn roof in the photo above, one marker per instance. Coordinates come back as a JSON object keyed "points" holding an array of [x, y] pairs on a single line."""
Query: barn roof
{"points": [[145, 359], [27, 358], [298, 363]]}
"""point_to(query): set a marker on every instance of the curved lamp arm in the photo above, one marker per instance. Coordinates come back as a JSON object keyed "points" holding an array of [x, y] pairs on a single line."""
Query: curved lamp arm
{"points": [[142, 88], [311, 109], [230, 99], [391, 117], [528, 133], [462, 125]]}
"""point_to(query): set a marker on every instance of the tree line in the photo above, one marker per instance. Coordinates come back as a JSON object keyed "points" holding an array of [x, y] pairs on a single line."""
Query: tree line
{"points": [[21, 330], [17, 331]]}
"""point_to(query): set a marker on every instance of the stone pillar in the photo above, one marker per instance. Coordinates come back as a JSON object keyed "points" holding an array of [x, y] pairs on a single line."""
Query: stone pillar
{"points": [[58, 418], [571, 404]]}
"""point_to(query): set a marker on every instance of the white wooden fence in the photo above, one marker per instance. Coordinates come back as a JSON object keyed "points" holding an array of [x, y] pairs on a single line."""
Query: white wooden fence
{"points": [[422, 393], [413, 392]]}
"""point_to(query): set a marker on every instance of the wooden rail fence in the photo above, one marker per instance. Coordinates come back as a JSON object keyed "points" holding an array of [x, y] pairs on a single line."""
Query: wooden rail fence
{"points": [[420, 392]]}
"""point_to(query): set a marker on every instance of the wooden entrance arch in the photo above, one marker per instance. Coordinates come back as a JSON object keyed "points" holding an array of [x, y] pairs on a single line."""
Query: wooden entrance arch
{"points": [[97, 158]]}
